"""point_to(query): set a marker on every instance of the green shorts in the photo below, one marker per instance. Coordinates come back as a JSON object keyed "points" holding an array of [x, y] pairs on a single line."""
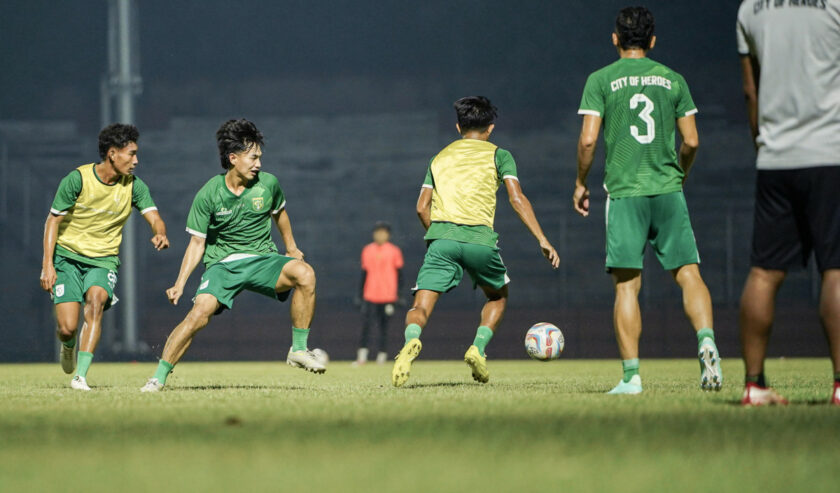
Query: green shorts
{"points": [[662, 220], [74, 278], [446, 260], [259, 274]]}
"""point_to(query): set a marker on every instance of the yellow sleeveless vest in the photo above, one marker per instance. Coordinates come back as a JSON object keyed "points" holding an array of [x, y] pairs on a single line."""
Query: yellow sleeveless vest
{"points": [[465, 183], [93, 227]]}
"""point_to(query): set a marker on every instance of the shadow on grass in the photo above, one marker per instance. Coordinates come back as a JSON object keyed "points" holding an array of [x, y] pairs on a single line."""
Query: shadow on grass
{"points": [[236, 387], [810, 402], [441, 384]]}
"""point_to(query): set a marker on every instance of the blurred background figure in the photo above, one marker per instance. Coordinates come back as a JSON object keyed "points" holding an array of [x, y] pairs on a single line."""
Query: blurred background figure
{"points": [[379, 289]]}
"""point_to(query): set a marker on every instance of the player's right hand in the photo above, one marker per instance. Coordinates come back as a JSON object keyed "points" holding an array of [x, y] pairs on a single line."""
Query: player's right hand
{"points": [[48, 277], [550, 253], [174, 294], [581, 199]]}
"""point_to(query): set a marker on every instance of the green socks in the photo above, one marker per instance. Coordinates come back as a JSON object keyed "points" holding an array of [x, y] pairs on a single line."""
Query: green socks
{"points": [[412, 332], [299, 337], [70, 343], [83, 363], [705, 333], [630, 367], [163, 370], [482, 337]]}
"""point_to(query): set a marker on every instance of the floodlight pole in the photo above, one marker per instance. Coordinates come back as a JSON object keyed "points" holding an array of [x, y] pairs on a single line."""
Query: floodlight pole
{"points": [[122, 85]]}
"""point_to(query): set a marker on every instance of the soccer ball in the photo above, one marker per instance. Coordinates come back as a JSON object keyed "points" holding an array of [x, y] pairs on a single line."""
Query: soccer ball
{"points": [[544, 342], [321, 356]]}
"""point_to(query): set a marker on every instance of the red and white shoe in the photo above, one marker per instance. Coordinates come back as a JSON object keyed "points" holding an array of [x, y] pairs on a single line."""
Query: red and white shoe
{"points": [[835, 396], [754, 395]]}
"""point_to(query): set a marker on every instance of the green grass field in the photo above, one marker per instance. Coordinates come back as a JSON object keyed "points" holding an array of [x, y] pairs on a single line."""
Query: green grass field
{"points": [[534, 427]]}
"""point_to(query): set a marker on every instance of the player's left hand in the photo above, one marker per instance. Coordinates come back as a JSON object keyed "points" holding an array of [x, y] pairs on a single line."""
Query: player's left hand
{"points": [[581, 199], [160, 242], [295, 253]]}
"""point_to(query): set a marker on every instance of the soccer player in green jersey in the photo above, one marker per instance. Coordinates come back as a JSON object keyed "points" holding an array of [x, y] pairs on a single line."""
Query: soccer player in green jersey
{"points": [[82, 239], [230, 223], [457, 206], [640, 102]]}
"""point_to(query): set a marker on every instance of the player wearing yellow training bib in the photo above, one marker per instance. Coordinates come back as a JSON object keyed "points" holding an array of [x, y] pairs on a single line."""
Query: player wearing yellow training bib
{"points": [[641, 103], [82, 239], [457, 206]]}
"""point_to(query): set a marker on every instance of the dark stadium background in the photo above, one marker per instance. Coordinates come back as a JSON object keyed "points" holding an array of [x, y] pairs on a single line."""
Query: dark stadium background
{"points": [[354, 97]]}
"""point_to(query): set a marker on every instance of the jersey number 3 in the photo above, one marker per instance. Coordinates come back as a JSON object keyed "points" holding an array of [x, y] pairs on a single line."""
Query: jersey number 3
{"points": [[650, 132]]}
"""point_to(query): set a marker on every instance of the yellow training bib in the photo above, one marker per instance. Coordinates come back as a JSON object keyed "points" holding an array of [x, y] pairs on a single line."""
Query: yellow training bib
{"points": [[93, 226], [465, 183]]}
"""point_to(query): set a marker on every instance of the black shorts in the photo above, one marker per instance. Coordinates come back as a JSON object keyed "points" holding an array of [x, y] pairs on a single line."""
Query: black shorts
{"points": [[797, 211]]}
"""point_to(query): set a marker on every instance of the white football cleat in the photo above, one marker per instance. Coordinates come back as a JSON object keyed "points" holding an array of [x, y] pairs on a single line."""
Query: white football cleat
{"points": [[711, 376], [68, 359], [755, 395], [305, 359], [79, 383], [153, 385]]}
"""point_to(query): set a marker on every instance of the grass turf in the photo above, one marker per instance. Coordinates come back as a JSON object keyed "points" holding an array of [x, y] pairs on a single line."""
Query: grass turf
{"points": [[534, 427]]}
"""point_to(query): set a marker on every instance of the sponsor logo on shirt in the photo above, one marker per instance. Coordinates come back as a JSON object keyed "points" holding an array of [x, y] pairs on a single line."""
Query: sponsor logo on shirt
{"points": [[224, 212]]}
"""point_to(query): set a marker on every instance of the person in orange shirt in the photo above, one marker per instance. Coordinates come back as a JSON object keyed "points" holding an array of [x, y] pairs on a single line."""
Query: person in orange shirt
{"points": [[379, 289]]}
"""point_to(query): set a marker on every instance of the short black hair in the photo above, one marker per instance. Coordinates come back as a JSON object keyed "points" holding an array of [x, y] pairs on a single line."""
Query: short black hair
{"points": [[236, 136], [116, 135], [382, 225], [634, 27], [475, 113]]}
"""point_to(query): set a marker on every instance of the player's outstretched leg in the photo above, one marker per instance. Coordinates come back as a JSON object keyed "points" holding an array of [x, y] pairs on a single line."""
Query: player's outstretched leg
{"points": [[415, 320], [299, 275], [180, 339], [491, 316], [67, 318], [697, 304], [95, 300], [627, 317]]}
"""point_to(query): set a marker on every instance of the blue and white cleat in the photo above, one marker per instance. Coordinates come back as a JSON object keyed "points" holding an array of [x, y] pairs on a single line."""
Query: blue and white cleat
{"points": [[153, 385], [306, 360], [633, 387], [79, 383], [711, 376]]}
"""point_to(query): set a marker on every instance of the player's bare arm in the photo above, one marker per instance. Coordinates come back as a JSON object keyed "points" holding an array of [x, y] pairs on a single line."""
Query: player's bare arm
{"points": [[749, 74], [284, 226], [525, 211], [193, 255], [159, 239], [585, 156], [687, 127], [48, 274], [424, 207]]}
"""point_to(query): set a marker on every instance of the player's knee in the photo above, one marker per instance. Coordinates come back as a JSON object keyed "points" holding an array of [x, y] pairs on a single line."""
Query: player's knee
{"points": [[96, 300], [64, 329], [305, 277], [198, 317]]}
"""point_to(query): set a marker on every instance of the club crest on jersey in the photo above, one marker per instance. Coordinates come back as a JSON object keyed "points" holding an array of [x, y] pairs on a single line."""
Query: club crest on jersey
{"points": [[258, 203]]}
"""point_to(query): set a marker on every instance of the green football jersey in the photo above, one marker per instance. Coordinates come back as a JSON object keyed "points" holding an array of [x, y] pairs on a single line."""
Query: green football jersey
{"points": [[640, 101], [236, 225]]}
